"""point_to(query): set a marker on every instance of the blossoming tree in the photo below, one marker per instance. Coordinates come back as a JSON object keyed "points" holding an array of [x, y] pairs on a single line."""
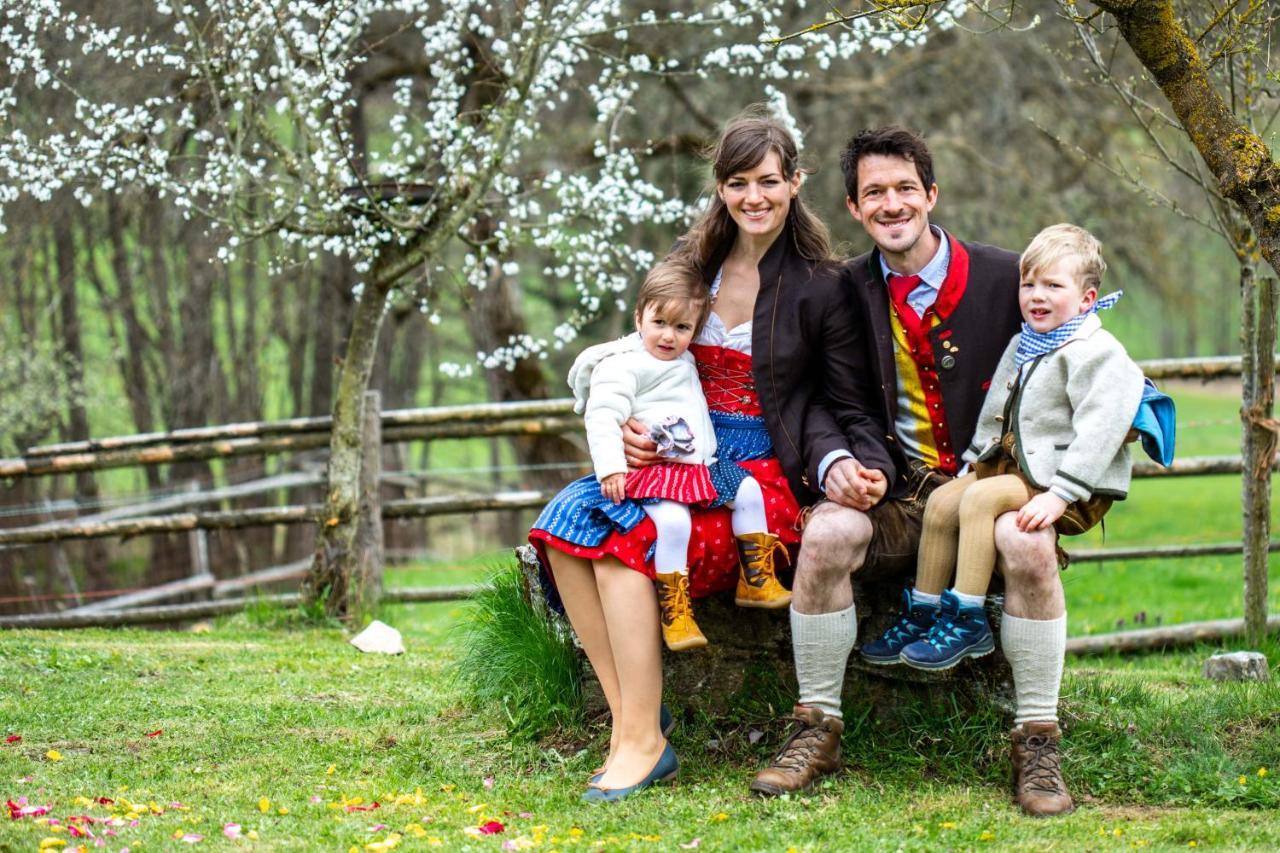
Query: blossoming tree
{"points": [[244, 115]]}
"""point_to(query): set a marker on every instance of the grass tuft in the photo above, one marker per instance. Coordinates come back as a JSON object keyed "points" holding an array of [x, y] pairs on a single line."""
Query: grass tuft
{"points": [[518, 661]]}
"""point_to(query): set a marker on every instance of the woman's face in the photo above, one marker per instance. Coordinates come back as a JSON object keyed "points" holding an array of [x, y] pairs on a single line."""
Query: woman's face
{"points": [[759, 198]]}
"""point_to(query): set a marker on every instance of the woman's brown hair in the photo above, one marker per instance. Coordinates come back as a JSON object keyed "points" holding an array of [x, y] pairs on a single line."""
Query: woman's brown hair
{"points": [[743, 145]]}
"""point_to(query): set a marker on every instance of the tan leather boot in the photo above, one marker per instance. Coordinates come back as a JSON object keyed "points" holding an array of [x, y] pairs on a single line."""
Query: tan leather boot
{"points": [[757, 581], [679, 631], [812, 751], [1038, 787]]}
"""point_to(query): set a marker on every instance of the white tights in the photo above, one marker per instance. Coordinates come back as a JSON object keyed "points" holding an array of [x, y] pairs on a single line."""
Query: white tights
{"points": [[672, 522]]}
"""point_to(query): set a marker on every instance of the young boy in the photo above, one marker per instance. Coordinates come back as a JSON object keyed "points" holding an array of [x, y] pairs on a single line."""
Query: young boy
{"points": [[1050, 443]]}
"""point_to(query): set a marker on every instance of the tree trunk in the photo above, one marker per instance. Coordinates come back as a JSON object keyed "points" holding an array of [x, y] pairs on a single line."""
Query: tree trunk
{"points": [[1258, 441], [333, 564]]}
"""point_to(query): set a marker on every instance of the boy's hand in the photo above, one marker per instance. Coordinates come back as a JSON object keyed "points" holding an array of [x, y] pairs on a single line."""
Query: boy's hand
{"points": [[613, 487], [639, 448], [1040, 512]]}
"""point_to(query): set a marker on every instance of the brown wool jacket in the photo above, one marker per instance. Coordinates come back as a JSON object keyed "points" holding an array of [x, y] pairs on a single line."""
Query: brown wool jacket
{"points": [[810, 365], [981, 325]]}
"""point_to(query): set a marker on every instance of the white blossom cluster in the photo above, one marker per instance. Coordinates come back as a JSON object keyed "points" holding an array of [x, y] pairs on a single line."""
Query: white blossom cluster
{"points": [[241, 112]]}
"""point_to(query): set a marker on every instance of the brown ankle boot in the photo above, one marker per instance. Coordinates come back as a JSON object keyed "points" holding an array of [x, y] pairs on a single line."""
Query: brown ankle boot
{"points": [[1037, 775], [812, 751], [757, 582], [679, 631]]}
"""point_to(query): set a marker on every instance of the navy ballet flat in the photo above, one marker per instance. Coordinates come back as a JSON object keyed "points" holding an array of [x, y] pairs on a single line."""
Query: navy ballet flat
{"points": [[666, 722], [665, 770]]}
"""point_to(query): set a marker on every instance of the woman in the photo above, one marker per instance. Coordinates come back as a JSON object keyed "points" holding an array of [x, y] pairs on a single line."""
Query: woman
{"points": [[765, 258]]}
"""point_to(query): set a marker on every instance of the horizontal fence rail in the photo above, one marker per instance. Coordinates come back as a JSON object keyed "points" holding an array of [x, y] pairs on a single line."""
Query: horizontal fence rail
{"points": [[542, 417]]}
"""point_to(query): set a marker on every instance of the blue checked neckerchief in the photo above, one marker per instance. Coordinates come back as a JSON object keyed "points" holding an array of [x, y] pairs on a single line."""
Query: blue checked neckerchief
{"points": [[1033, 344]]}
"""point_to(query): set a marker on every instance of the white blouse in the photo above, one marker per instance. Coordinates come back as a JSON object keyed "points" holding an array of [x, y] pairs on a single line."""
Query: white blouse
{"points": [[715, 334]]}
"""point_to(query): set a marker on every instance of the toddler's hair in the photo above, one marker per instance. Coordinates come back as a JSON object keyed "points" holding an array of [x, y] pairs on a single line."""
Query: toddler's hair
{"points": [[1061, 241], [672, 285]]}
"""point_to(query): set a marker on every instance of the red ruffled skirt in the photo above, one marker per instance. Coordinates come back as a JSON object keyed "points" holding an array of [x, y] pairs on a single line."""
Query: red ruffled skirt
{"points": [[672, 481]]}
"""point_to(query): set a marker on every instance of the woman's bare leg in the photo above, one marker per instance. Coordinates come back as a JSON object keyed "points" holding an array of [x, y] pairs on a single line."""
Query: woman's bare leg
{"points": [[576, 582], [630, 607]]}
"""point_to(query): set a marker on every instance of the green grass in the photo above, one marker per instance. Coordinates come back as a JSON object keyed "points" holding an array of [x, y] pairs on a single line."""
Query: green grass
{"points": [[246, 714], [1156, 756]]}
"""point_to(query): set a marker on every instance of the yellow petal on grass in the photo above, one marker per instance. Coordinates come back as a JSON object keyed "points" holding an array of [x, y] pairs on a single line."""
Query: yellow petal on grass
{"points": [[987, 835], [1262, 771], [948, 824], [330, 770], [282, 810], [53, 755], [264, 805], [252, 835], [1242, 780], [720, 817], [51, 843]]}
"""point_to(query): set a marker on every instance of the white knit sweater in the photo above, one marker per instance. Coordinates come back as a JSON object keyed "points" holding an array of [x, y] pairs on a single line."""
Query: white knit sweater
{"points": [[618, 380]]}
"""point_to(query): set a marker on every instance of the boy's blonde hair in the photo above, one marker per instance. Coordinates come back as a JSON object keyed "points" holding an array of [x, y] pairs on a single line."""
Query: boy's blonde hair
{"points": [[1060, 241], [674, 282]]}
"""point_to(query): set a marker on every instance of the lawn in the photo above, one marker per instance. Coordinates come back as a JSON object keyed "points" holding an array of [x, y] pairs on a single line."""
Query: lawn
{"points": [[283, 735]]}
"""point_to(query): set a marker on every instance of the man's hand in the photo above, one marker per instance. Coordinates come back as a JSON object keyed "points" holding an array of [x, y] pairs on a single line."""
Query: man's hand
{"points": [[641, 450], [1040, 512], [849, 484], [613, 487]]}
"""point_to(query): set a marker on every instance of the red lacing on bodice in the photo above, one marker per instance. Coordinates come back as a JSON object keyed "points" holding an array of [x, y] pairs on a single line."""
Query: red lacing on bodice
{"points": [[726, 379]]}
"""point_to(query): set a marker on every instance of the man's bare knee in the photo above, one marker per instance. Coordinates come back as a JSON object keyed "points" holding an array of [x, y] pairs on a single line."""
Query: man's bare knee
{"points": [[1026, 558], [835, 540]]}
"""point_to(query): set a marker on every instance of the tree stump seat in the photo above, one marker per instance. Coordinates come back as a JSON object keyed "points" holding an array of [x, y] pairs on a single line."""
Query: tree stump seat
{"points": [[752, 645]]}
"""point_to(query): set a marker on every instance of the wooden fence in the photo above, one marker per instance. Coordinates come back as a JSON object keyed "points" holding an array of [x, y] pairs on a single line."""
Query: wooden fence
{"points": [[270, 437]]}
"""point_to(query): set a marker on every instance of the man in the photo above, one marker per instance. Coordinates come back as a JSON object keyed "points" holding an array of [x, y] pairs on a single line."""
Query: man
{"points": [[940, 313]]}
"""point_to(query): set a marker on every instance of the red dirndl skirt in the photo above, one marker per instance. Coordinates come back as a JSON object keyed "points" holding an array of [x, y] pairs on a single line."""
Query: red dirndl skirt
{"points": [[673, 481]]}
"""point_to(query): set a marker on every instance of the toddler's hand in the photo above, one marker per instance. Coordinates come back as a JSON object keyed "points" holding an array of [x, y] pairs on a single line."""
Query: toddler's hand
{"points": [[1040, 512], [613, 487]]}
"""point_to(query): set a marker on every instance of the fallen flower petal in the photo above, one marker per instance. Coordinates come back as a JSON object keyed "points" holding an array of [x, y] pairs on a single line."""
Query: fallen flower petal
{"points": [[20, 809], [231, 830], [264, 805], [492, 827], [526, 814], [374, 805], [315, 798], [51, 843], [488, 781], [692, 845], [53, 755], [192, 838], [156, 733], [13, 739], [106, 801]]}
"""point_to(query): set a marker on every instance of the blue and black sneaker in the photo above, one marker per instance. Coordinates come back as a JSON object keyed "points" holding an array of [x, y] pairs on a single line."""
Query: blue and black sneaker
{"points": [[962, 631], [913, 625]]}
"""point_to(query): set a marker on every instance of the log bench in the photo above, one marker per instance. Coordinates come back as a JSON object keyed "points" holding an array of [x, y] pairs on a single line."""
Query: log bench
{"points": [[745, 642]]}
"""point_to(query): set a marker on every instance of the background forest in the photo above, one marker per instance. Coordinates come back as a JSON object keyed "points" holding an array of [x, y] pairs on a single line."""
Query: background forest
{"points": [[121, 316]]}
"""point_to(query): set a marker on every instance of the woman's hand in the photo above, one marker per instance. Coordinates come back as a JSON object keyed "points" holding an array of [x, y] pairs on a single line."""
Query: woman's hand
{"points": [[1040, 512], [641, 450], [613, 487]]}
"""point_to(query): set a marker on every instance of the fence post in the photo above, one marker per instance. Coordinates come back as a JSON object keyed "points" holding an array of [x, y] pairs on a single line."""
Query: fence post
{"points": [[366, 586], [198, 543], [1258, 443]]}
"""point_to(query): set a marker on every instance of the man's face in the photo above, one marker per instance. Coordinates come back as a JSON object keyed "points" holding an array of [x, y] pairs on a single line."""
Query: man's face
{"points": [[893, 204]]}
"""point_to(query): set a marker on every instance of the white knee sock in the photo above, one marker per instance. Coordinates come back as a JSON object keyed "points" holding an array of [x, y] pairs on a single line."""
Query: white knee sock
{"points": [[821, 644], [748, 509], [672, 522], [1036, 649]]}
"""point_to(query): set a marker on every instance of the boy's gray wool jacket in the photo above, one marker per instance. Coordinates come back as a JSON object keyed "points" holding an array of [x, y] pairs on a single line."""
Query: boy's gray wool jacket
{"points": [[1070, 417]]}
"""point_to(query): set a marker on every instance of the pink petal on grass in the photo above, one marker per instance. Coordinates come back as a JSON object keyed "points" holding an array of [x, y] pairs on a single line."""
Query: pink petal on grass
{"points": [[192, 838], [315, 798], [692, 845], [156, 733], [488, 781], [491, 828], [13, 739], [231, 830], [526, 814]]}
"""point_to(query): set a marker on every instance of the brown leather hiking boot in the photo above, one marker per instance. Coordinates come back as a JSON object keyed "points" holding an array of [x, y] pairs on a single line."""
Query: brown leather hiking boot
{"points": [[757, 581], [812, 751], [1037, 775], [679, 631]]}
